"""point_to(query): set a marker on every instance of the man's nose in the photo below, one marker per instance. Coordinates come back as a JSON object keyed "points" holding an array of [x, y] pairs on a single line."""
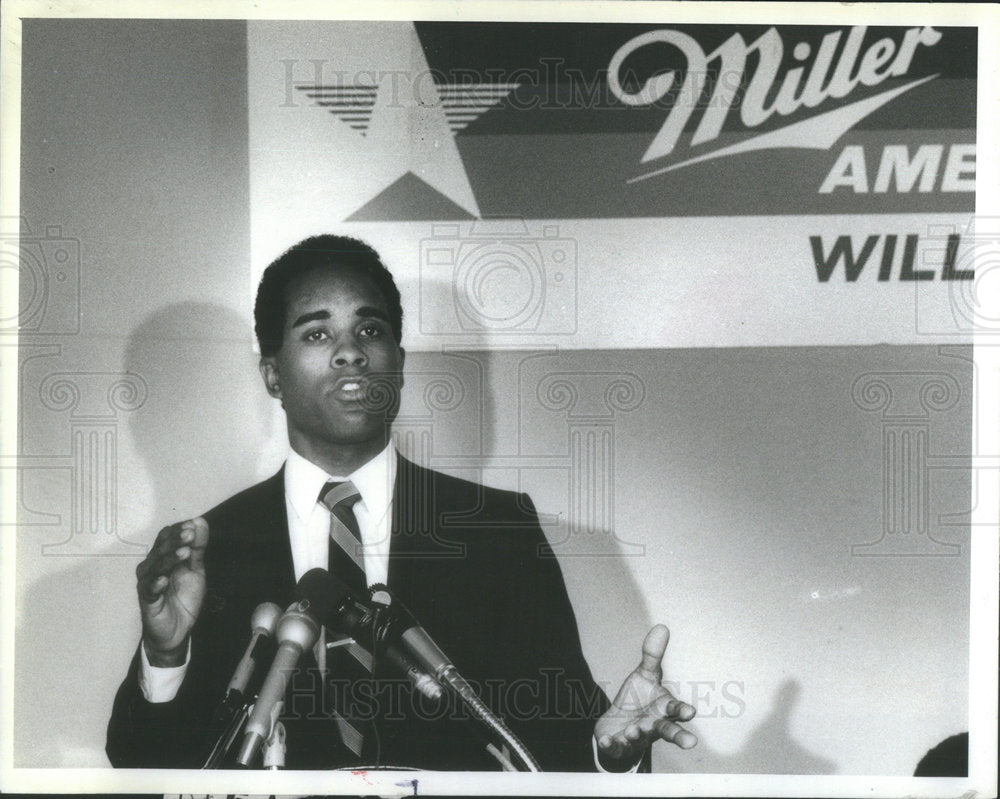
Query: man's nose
{"points": [[349, 354]]}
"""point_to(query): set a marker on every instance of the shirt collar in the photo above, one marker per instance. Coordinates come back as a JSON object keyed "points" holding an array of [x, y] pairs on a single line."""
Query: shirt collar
{"points": [[374, 481]]}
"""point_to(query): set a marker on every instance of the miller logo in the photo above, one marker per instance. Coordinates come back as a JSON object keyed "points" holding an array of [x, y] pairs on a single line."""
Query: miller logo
{"points": [[822, 77]]}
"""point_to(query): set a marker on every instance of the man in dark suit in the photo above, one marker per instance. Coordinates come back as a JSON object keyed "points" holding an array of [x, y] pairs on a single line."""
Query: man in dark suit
{"points": [[469, 561]]}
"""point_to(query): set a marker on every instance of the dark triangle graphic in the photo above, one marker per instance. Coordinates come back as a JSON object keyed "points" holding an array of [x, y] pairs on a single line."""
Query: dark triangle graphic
{"points": [[409, 199]]}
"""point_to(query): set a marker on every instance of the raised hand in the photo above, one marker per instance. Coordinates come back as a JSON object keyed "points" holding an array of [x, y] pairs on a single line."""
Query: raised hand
{"points": [[171, 587], [644, 710]]}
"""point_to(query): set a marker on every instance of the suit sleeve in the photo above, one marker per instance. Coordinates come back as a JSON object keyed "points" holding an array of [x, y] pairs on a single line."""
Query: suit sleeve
{"points": [[247, 561], [554, 704], [178, 733], [170, 734], [571, 700]]}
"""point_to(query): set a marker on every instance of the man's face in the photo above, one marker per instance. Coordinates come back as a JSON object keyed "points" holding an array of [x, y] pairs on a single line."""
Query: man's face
{"points": [[339, 370]]}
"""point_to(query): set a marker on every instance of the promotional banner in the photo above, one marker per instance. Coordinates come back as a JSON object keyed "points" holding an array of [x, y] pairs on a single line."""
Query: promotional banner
{"points": [[818, 182]]}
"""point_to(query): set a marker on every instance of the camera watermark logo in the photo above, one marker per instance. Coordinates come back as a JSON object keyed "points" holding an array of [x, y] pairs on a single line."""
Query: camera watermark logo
{"points": [[969, 259], [503, 278], [43, 271]]}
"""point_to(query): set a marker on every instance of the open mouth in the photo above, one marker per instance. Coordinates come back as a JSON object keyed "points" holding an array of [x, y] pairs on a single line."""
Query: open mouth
{"points": [[350, 390]]}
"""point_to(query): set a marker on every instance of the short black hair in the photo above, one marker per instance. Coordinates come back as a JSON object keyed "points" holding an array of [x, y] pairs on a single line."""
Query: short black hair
{"points": [[318, 252]]}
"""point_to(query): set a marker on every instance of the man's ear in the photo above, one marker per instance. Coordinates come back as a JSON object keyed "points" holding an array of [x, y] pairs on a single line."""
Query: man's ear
{"points": [[269, 371]]}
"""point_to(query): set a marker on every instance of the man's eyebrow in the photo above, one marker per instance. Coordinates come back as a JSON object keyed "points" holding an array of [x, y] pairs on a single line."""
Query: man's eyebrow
{"points": [[368, 310], [364, 311], [312, 316]]}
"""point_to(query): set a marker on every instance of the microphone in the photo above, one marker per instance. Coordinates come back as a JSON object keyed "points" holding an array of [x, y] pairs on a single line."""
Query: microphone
{"points": [[347, 615], [400, 625], [297, 632], [404, 642], [262, 625], [429, 656]]}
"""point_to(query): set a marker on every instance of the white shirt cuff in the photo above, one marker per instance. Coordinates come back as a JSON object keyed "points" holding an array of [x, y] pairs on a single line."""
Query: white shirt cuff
{"points": [[600, 768], [158, 683]]}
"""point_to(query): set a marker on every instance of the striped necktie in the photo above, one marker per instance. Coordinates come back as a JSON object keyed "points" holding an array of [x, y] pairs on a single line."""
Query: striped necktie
{"points": [[346, 662], [346, 560]]}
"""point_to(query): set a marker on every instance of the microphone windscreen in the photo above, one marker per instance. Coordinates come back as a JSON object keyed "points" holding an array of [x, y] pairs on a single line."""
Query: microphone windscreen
{"points": [[265, 617], [339, 590], [319, 588]]}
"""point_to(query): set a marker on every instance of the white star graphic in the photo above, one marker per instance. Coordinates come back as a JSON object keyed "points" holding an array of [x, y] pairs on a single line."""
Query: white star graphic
{"points": [[410, 131], [406, 122]]}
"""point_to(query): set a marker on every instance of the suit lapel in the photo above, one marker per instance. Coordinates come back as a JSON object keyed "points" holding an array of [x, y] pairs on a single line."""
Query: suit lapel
{"points": [[412, 504], [270, 547], [425, 568]]}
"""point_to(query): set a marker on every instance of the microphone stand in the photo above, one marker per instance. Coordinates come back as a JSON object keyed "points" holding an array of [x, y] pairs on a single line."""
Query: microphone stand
{"points": [[225, 740], [274, 748]]}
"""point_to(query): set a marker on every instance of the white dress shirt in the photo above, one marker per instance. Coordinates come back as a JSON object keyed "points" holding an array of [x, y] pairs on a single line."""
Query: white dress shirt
{"points": [[309, 520]]}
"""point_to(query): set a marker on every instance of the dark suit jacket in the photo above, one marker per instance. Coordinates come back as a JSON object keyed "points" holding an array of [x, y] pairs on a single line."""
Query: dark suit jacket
{"points": [[472, 565]]}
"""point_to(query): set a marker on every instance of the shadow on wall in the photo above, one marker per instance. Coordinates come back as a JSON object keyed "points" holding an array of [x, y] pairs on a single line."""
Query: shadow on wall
{"points": [[200, 436], [207, 421], [450, 386], [769, 748]]}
